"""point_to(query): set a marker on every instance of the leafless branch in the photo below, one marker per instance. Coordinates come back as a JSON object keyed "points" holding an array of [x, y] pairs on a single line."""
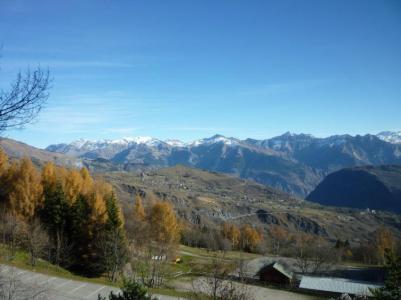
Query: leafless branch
{"points": [[26, 97]]}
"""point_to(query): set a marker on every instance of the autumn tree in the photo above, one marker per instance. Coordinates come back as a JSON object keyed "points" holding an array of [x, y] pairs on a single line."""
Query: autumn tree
{"points": [[278, 236], [4, 164], [25, 191], [164, 226], [383, 241], [232, 233], [49, 176], [139, 212], [137, 225], [250, 238], [86, 181], [72, 185], [151, 254]]}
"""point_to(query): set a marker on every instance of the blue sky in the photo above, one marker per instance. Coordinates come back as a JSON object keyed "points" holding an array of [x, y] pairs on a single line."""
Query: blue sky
{"points": [[190, 69]]}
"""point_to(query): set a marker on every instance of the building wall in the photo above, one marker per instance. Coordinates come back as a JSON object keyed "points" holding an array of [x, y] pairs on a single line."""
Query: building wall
{"points": [[273, 276]]}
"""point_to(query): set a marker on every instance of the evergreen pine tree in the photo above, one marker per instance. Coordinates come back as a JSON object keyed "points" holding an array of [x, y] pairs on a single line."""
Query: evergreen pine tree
{"points": [[55, 214], [392, 286], [114, 218], [112, 241], [80, 233]]}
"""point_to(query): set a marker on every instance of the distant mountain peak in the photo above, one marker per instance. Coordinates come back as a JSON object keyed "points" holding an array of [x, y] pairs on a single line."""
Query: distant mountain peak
{"points": [[123, 141], [175, 143], [393, 137], [217, 138], [290, 134]]}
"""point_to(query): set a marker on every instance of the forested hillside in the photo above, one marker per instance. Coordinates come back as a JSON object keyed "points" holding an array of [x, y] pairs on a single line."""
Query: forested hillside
{"points": [[362, 187]]}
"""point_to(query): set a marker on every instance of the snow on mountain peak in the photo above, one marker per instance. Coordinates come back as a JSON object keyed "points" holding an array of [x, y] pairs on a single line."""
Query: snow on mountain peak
{"points": [[137, 140], [79, 143], [88, 144], [214, 140], [393, 137], [175, 143]]}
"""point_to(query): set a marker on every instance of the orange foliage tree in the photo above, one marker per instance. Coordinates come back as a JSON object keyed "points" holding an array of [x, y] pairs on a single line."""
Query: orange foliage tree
{"points": [[232, 233], [164, 226], [384, 241], [139, 211], [25, 189], [250, 237]]}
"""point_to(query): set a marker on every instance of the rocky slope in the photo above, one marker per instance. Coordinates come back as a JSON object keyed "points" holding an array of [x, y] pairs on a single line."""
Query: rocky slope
{"points": [[203, 197], [362, 187]]}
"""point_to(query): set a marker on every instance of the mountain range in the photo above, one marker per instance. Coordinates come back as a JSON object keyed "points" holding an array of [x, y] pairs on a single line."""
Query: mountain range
{"points": [[294, 163], [202, 197]]}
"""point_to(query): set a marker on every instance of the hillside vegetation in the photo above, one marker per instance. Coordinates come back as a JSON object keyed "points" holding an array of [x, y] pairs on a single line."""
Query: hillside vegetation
{"points": [[204, 198]]}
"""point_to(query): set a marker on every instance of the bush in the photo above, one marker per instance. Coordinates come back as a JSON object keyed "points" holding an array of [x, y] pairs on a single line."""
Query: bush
{"points": [[130, 290]]}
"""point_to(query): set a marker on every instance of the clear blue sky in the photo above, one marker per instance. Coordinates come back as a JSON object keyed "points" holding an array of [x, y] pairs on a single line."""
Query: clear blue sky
{"points": [[190, 69]]}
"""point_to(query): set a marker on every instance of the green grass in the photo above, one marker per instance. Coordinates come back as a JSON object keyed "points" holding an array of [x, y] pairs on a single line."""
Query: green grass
{"points": [[21, 260], [228, 255], [194, 261]]}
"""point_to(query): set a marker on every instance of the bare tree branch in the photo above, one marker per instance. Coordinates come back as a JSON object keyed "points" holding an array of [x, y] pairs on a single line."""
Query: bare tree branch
{"points": [[26, 97]]}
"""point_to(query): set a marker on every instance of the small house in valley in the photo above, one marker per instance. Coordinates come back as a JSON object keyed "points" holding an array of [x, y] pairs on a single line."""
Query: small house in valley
{"points": [[276, 273]]}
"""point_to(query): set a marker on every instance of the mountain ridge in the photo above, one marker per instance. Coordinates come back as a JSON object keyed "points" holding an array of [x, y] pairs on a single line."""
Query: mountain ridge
{"points": [[393, 137], [294, 163]]}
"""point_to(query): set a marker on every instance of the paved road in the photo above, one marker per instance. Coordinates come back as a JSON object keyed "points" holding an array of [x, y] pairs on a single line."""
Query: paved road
{"points": [[57, 288]]}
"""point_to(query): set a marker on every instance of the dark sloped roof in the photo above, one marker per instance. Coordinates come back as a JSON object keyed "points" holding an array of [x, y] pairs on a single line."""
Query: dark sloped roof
{"points": [[280, 266]]}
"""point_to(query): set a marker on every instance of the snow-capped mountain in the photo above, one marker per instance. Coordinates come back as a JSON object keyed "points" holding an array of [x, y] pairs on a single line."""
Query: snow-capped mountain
{"points": [[295, 163], [393, 137], [175, 143], [102, 148], [215, 140]]}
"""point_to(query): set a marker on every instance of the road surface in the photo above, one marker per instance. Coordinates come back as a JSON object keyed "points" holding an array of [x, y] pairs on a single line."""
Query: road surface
{"points": [[57, 288]]}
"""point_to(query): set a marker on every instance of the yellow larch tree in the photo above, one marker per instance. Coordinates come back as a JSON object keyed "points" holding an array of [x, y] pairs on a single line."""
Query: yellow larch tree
{"points": [[3, 162], [72, 185], [164, 226], [25, 190], [49, 176], [250, 237], [87, 181], [139, 211], [232, 233], [384, 240]]}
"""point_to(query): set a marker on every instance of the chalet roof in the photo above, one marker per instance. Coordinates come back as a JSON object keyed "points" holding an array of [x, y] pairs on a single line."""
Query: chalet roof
{"points": [[337, 285], [280, 267]]}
